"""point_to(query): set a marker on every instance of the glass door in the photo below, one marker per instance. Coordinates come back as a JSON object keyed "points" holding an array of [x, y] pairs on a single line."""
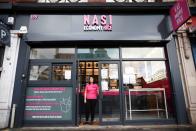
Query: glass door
{"points": [[109, 97]]}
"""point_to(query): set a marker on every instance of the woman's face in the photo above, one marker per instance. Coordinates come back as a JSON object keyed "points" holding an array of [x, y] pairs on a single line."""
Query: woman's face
{"points": [[91, 80]]}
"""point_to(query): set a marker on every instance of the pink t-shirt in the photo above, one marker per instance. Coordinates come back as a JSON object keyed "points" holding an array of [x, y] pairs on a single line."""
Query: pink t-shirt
{"points": [[91, 91]]}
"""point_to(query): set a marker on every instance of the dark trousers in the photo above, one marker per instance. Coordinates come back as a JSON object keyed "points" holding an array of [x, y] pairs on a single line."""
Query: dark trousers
{"points": [[90, 108]]}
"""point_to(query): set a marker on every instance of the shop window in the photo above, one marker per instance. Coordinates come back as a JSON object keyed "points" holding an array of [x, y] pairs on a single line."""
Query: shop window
{"points": [[39, 72], [98, 53], [52, 53], [1, 58], [151, 52], [147, 90], [61, 72]]}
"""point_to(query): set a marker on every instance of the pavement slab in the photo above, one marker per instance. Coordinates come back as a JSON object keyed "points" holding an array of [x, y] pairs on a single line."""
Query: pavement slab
{"points": [[110, 128]]}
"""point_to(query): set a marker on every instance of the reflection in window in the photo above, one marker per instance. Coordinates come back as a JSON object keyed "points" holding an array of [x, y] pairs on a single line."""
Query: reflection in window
{"points": [[154, 52], [61, 72], [98, 53], [52, 53], [39, 72], [150, 71], [147, 81]]}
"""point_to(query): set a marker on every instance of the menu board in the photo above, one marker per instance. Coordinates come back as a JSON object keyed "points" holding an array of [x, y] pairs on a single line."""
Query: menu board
{"points": [[48, 103]]}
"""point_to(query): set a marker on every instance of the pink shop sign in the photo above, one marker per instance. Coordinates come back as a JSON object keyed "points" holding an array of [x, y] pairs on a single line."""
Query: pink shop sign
{"points": [[179, 14], [97, 23]]}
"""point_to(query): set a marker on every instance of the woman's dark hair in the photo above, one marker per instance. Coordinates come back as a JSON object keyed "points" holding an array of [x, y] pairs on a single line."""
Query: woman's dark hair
{"points": [[89, 79]]}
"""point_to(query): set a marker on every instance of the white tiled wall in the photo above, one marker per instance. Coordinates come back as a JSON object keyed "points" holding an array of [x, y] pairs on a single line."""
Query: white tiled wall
{"points": [[7, 80]]}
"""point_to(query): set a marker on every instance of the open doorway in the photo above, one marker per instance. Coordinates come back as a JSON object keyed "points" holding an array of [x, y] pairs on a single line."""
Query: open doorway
{"points": [[87, 69]]}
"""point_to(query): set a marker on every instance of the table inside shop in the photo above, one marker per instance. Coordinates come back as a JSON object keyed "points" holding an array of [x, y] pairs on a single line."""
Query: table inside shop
{"points": [[145, 91]]}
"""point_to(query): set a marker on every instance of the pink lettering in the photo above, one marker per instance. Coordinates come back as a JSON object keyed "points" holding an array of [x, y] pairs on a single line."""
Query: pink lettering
{"points": [[95, 20], [49, 89], [98, 23], [34, 97], [86, 20], [103, 20], [110, 16]]}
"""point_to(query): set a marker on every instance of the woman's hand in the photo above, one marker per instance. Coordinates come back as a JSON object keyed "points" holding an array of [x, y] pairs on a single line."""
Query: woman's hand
{"points": [[84, 100]]}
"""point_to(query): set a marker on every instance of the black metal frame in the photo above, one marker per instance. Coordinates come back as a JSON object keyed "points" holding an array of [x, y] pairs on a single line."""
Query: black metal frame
{"points": [[101, 94], [49, 83], [20, 92], [119, 61], [165, 59], [135, 8], [49, 63], [116, 7]]}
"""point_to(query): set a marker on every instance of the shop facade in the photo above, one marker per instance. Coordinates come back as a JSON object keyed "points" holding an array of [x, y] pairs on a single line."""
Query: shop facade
{"points": [[131, 57]]}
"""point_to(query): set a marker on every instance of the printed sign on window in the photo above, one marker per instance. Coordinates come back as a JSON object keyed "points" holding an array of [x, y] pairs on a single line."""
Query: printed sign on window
{"points": [[104, 85], [104, 73], [67, 74]]}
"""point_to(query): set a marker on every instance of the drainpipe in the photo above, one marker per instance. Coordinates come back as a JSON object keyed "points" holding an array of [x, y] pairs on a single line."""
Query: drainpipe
{"points": [[185, 44], [13, 116], [182, 33]]}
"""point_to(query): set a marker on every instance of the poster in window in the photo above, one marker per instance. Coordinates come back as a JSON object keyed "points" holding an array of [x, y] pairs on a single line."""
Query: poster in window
{"points": [[104, 85], [67, 74], [48, 104], [125, 79], [129, 79], [104, 73], [113, 74]]}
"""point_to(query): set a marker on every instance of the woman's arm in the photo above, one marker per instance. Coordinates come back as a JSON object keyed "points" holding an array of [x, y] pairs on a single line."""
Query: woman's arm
{"points": [[85, 91]]}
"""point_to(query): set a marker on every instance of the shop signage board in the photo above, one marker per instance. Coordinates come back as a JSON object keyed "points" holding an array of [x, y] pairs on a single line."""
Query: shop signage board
{"points": [[179, 14], [48, 103], [71, 27]]}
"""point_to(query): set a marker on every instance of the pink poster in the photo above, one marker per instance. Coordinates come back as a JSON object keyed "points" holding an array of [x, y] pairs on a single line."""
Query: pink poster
{"points": [[179, 14]]}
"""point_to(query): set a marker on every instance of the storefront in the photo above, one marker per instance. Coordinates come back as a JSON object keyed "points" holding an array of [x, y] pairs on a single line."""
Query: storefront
{"points": [[128, 55]]}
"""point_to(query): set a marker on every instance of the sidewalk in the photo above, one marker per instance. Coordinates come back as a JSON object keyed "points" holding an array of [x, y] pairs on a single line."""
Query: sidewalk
{"points": [[111, 128]]}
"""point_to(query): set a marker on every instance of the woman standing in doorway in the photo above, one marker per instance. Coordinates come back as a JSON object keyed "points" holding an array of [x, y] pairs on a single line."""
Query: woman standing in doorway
{"points": [[90, 99]]}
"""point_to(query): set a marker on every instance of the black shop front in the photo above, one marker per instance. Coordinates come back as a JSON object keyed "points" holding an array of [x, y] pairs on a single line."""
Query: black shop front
{"points": [[129, 56]]}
